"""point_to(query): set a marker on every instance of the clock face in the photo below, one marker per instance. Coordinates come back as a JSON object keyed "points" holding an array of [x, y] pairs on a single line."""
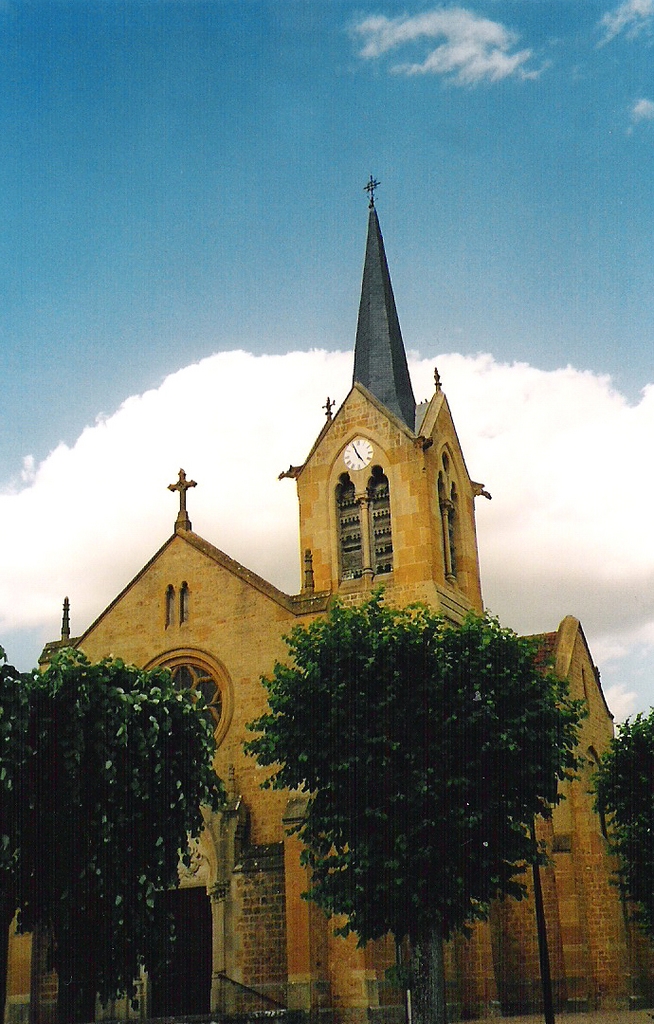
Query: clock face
{"points": [[358, 453]]}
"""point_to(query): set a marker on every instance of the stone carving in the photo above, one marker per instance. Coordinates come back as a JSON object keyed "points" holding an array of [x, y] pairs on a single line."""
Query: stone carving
{"points": [[197, 872]]}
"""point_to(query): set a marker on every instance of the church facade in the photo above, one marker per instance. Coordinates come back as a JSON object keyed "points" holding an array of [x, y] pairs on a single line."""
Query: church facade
{"points": [[384, 498]]}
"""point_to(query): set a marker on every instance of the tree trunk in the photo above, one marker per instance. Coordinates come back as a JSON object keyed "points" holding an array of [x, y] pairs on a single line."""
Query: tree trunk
{"points": [[75, 1002], [428, 980], [7, 911]]}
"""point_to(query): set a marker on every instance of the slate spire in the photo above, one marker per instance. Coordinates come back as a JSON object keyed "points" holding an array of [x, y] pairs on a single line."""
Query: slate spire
{"points": [[379, 357]]}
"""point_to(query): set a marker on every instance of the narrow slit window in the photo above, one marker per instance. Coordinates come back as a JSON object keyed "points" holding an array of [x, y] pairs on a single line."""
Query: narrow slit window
{"points": [[170, 605], [183, 603], [599, 806], [452, 529], [448, 503], [349, 529]]}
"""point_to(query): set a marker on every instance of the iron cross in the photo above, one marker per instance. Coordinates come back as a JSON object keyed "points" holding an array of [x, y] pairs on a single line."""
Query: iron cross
{"points": [[370, 189]]}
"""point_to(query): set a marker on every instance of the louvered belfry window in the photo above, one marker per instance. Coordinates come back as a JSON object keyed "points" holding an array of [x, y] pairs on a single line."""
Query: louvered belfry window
{"points": [[349, 529], [380, 522]]}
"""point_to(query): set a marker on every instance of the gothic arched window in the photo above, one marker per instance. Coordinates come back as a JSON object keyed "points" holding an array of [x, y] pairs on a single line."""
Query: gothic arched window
{"points": [[349, 529], [381, 539]]}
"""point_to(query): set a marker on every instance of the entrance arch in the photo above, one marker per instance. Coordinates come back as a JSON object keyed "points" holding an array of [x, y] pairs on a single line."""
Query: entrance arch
{"points": [[184, 986]]}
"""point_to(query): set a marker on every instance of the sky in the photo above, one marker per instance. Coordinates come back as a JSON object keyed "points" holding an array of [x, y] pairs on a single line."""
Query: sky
{"points": [[182, 226]]}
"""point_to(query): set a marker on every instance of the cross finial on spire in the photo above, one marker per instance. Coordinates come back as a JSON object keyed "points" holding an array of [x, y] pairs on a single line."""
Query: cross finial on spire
{"points": [[370, 189], [182, 522]]}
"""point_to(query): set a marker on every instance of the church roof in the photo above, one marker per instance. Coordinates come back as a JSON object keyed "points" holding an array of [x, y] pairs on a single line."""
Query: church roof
{"points": [[379, 356]]}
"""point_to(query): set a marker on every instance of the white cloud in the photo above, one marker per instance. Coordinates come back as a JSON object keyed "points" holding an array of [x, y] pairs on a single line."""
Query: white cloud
{"points": [[563, 454], [621, 701], [473, 49], [642, 110], [630, 17]]}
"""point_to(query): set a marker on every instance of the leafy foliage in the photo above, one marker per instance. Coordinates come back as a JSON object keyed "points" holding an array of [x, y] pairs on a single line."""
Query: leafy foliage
{"points": [[624, 789], [426, 751], [120, 765], [15, 693]]}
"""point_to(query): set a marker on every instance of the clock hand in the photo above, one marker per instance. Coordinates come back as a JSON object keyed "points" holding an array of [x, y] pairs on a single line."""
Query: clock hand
{"points": [[357, 453]]}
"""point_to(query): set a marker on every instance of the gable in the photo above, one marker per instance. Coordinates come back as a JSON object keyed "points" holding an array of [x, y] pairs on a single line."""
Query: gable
{"points": [[360, 413], [221, 595]]}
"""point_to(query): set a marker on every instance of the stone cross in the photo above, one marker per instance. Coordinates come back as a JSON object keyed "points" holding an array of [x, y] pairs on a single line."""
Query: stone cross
{"points": [[182, 522]]}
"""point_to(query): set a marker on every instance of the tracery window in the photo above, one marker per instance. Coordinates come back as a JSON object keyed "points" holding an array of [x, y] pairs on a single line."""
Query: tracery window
{"points": [[196, 678], [381, 539], [202, 673], [349, 529]]}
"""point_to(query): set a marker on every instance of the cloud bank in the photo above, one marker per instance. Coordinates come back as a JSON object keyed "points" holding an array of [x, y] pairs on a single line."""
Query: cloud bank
{"points": [[471, 49], [563, 454]]}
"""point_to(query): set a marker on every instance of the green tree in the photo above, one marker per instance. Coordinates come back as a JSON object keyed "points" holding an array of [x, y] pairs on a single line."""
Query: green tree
{"points": [[120, 765], [426, 751], [15, 694], [624, 789]]}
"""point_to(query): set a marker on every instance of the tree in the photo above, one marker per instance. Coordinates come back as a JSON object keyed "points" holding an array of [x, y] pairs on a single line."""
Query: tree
{"points": [[426, 751], [15, 693], [623, 785], [120, 765]]}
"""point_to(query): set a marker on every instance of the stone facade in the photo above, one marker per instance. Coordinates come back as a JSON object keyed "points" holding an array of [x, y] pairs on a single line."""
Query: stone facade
{"points": [[196, 610]]}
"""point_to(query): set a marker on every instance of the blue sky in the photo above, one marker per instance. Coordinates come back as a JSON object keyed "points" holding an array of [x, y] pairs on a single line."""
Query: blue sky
{"points": [[183, 177], [179, 179]]}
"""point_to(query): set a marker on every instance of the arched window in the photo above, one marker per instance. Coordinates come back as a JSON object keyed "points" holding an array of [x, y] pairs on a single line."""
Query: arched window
{"points": [[170, 605], [349, 529], [183, 603], [381, 539]]}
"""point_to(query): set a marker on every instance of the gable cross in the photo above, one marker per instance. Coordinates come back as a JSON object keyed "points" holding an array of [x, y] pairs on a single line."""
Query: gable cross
{"points": [[182, 522]]}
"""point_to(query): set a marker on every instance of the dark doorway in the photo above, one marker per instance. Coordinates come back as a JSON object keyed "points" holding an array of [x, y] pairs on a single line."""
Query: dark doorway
{"points": [[185, 987]]}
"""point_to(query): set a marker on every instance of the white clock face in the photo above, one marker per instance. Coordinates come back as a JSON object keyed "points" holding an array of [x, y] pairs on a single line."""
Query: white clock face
{"points": [[358, 454]]}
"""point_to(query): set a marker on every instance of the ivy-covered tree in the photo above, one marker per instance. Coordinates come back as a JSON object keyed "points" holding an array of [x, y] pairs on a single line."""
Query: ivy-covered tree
{"points": [[425, 751], [120, 765], [15, 694], [625, 790]]}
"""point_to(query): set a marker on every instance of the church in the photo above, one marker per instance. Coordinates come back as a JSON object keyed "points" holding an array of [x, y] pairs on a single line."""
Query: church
{"points": [[384, 498]]}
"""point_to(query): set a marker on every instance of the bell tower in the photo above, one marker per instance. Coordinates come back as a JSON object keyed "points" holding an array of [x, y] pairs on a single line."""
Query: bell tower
{"points": [[385, 496]]}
